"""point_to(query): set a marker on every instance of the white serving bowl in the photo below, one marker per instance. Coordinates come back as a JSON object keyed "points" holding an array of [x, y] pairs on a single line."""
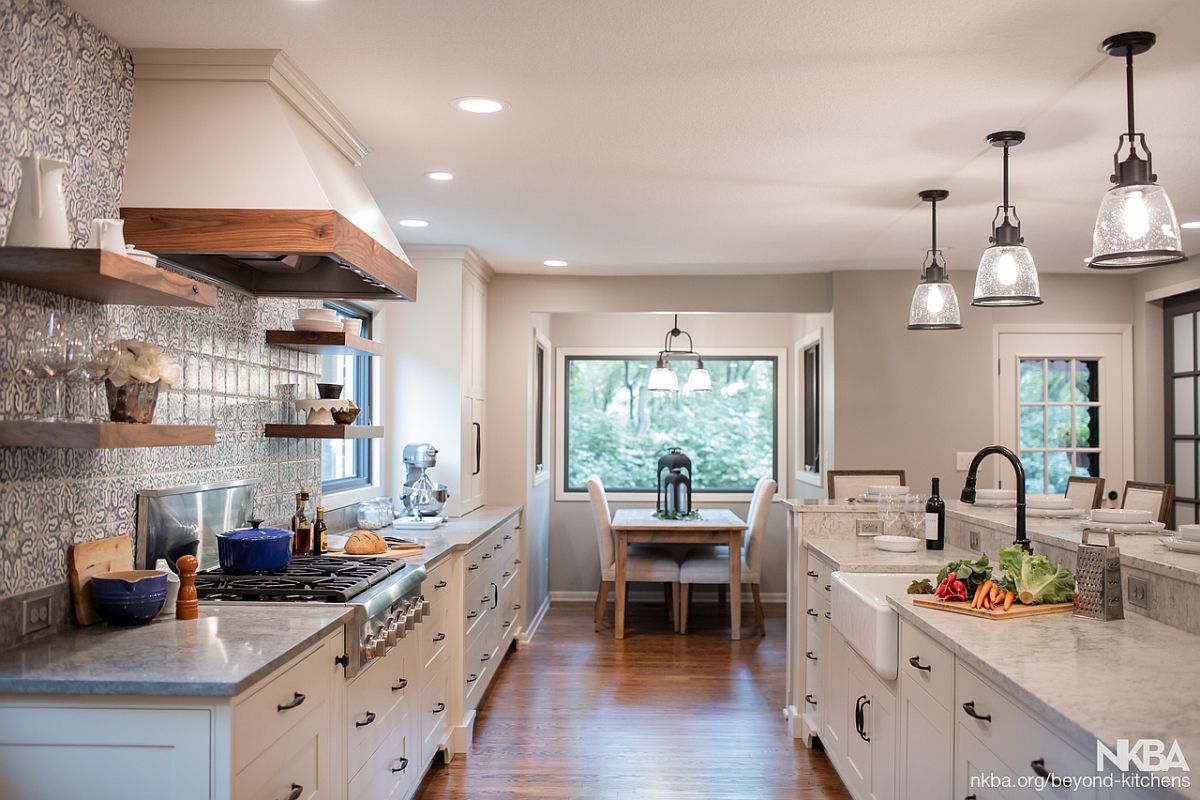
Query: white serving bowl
{"points": [[1055, 502], [318, 325], [887, 491], [1121, 516], [352, 326], [897, 544], [996, 494], [1189, 533], [323, 314]]}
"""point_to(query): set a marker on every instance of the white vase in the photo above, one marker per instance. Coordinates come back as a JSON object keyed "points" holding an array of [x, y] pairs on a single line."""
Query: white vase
{"points": [[40, 216]]}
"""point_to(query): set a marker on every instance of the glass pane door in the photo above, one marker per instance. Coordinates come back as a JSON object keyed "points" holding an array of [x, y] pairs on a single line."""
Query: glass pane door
{"points": [[1181, 321]]}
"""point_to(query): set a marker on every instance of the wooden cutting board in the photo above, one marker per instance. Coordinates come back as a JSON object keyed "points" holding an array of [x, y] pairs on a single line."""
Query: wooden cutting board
{"points": [[1017, 610], [94, 558], [407, 551]]}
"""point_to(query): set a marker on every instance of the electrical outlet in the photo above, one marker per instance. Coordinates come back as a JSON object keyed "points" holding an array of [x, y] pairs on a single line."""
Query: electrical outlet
{"points": [[973, 540], [35, 614], [868, 527], [1138, 592], [962, 461]]}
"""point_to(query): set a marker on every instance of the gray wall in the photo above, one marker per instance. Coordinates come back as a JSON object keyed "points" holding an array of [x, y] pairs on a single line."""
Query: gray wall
{"points": [[71, 99]]}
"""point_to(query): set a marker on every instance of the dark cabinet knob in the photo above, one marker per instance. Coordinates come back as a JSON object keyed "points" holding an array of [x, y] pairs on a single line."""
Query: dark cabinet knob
{"points": [[439, 637], [440, 585], [366, 721], [472, 568], [812, 612], [297, 790], [295, 701], [811, 656], [808, 698], [487, 555], [473, 678], [401, 685], [969, 707], [916, 662], [403, 764], [439, 708], [812, 573], [1039, 769]]}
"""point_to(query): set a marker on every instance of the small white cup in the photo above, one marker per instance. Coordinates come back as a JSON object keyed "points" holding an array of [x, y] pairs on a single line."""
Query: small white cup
{"points": [[352, 326], [1189, 533], [108, 234]]}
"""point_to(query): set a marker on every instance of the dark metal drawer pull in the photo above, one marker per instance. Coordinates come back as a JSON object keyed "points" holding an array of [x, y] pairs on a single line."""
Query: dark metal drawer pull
{"points": [[516, 561], [439, 708], [969, 707], [507, 622], [811, 656], [402, 684], [812, 612], [916, 662], [473, 678], [497, 547], [439, 637], [403, 762], [506, 575], [829, 587], [472, 568], [808, 698], [472, 614], [486, 657], [516, 606], [440, 585], [827, 616], [507, 536], [487, 555], [297, 790], [1039, 769], [813, 574], [297, 700], [370, 718]]}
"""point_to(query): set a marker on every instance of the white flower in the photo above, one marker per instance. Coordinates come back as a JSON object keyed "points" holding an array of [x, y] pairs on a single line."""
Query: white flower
{"points": [[144, 362]]}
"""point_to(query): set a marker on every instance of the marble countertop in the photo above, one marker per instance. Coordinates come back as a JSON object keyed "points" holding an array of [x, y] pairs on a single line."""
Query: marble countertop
{"points": [[861, 555], [225, 652], [1145, 552], [804, 505], [1127, 679], [459, 533]]}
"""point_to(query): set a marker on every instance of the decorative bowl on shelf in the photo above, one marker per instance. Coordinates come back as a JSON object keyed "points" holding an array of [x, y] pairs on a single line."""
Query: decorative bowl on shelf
{"points": [[329, 391], [345, 416], [320, 412], [352, 326], [321, 314]]}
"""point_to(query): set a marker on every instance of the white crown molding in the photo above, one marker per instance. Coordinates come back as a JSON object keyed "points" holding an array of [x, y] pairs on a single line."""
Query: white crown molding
{"points": [[470, 258], [272, 67]]}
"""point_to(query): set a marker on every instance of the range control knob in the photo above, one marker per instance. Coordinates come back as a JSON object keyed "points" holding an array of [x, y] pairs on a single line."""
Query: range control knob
{"points": [[368, 648], [425, 610]]}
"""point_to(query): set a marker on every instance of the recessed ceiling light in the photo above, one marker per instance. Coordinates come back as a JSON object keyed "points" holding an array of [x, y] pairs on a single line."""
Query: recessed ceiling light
{"points": [[414, 223], [1087, 259], [1191, 225], [479, 105], [554, 262], [440, 176]]}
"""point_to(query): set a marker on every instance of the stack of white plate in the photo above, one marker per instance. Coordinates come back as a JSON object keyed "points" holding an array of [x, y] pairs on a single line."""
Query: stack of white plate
{"points": [[882, 492], [1123, 520], [1186, 540], [1050, 505], [998, 498], [323, 320]]}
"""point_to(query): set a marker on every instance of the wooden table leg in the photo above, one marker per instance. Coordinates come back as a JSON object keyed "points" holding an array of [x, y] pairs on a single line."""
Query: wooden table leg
{"points": [[735, 585], [622, 552]]}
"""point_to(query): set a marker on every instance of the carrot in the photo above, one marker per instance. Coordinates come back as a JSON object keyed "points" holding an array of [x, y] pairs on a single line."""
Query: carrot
{"points": [[987, 601], [995, 594], [983, 592], [1008, 600], [978, 594]]}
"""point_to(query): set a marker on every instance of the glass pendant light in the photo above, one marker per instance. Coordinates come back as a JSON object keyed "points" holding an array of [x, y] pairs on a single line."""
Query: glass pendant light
{"points": [[1007, 275], [662, 377], [699, 380], [934, 304], [1136, 226]]}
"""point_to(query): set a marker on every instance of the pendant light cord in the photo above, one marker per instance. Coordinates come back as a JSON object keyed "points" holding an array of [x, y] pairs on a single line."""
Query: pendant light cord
{"points": [[933, 210], [1129, 96], [1006, 181]]}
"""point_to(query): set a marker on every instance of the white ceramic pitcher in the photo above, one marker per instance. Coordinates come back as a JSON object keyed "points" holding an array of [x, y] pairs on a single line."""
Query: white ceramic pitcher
{"points": [[40, 216], [108, 234]]}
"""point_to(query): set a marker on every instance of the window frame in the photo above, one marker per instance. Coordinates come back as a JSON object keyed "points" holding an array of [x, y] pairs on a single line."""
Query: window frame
{"points": [[781, 455], [1046, 404], [365, 453], [814, 339], [541, 391]]}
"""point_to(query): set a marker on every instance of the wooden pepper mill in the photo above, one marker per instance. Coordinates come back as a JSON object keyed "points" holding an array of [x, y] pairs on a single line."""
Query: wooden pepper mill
{"points": [[187, 606]]}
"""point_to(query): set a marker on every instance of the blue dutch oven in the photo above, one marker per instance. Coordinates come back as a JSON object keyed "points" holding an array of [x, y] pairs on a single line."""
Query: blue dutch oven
{"points": [[254, 549]]}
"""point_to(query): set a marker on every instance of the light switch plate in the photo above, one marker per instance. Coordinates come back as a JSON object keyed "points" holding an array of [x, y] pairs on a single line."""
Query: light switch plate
{"points": [[868, 527], [962, 461]]}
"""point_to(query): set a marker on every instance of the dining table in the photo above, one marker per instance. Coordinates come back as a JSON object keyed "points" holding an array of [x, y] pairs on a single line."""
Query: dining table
{"points": [[718, 526]]}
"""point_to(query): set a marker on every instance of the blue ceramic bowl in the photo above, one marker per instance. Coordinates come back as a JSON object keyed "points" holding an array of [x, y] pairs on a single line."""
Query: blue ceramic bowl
{"points": [[133, 597], [254, 549]]}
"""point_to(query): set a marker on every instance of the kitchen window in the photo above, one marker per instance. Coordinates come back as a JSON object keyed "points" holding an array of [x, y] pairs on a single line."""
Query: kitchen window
{"points": [[611, 424], [1059, 421], [1182, 370], [811, 376], [346, 463]]}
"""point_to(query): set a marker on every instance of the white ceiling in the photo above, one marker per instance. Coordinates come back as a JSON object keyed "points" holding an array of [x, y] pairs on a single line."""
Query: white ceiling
{"points": [[713, 136]]}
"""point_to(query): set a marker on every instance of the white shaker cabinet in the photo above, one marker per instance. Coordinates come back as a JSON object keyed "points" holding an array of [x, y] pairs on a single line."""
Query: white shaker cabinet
{"points": [[436, 362]]}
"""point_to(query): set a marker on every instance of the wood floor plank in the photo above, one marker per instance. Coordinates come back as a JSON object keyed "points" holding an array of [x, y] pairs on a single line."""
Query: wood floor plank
{"points": [[579, 715]]}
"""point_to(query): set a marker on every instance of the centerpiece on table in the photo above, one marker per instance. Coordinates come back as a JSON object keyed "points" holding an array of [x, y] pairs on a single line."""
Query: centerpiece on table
{"points": [[139, 369], [674, 481]]}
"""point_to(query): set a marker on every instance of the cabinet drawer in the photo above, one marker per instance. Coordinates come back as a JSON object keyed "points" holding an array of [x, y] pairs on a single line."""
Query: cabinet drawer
{"points": [[302, 758], [268, 713], [508, 612], [375, 701], [977, 769], [391, 770], [1016, 736], [930, 665], [433, 713], [434, 638]]}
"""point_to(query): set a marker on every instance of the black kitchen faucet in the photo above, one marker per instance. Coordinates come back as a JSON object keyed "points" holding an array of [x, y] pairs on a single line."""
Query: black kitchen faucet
{"points": [[968, 492]]}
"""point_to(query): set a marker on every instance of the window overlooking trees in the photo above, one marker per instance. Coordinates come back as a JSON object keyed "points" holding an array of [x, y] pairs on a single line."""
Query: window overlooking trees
{"points": [[617, 429], [1059, 408]]}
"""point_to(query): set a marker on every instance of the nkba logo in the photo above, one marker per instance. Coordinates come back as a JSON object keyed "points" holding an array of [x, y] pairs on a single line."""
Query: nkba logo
{"points": [[1147, 755]]}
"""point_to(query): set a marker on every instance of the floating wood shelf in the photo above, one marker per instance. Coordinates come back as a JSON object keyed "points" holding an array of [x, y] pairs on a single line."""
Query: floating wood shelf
{"points": [[275, 431], [102, 435], [102, 277], [325, 343]]}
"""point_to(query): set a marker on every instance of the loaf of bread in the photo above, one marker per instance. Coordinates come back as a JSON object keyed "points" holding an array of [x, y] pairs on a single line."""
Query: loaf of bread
{"points": [[366, 543]]}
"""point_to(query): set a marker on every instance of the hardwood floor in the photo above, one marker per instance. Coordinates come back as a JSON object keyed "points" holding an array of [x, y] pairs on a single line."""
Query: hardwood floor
{"points": [[579, 715]]}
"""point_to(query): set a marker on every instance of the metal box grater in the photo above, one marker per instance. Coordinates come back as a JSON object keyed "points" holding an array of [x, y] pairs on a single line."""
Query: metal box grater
{"points": [[1098, 580]]}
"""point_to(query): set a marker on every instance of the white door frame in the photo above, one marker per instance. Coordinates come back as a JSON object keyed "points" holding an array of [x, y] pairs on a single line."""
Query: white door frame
{"points": [[1126, 333]]}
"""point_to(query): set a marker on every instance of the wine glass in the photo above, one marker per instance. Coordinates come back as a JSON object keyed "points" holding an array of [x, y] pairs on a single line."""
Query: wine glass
{"points": [[99, 357], [914, 516], [890, 512], [59, 356]]}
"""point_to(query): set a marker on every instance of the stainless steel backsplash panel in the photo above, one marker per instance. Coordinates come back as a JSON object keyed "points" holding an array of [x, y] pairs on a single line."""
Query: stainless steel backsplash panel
{"points": [[186, 519]]}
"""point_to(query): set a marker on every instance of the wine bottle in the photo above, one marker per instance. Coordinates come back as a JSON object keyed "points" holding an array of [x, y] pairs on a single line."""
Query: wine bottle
{"points": [[935, 519], [302, 541], [320, 534]]}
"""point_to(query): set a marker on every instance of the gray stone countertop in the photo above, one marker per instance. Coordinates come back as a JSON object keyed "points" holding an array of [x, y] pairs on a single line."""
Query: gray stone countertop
{"points": [[1141, 551], [223, 653], [1126, 679], [805, 505], [859, 554], [459, 533]]}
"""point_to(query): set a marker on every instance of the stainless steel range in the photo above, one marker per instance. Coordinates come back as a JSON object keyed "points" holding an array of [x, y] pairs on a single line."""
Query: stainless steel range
{"points": [[384, 593]]}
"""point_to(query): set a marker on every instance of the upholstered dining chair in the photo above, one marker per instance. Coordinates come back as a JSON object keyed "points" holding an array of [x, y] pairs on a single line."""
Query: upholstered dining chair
{"points": [[709, 567], [847, 483], [1153, 497], [1085, 493], [643, 564]]}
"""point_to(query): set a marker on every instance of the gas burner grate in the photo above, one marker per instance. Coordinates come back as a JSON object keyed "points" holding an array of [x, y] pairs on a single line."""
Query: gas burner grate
{"points": [[330, 579]]}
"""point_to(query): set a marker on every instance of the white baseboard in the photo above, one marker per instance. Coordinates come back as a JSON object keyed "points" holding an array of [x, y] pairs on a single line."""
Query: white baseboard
{"points": [[526, 635], [768, 598]]}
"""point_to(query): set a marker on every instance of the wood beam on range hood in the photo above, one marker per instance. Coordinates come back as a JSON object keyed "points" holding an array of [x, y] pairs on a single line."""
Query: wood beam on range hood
{"points": [[275, 252]]}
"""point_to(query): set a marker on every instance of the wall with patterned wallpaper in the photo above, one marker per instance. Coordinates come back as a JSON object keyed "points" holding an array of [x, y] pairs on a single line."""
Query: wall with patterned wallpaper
{"points": [[69, 93]]}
